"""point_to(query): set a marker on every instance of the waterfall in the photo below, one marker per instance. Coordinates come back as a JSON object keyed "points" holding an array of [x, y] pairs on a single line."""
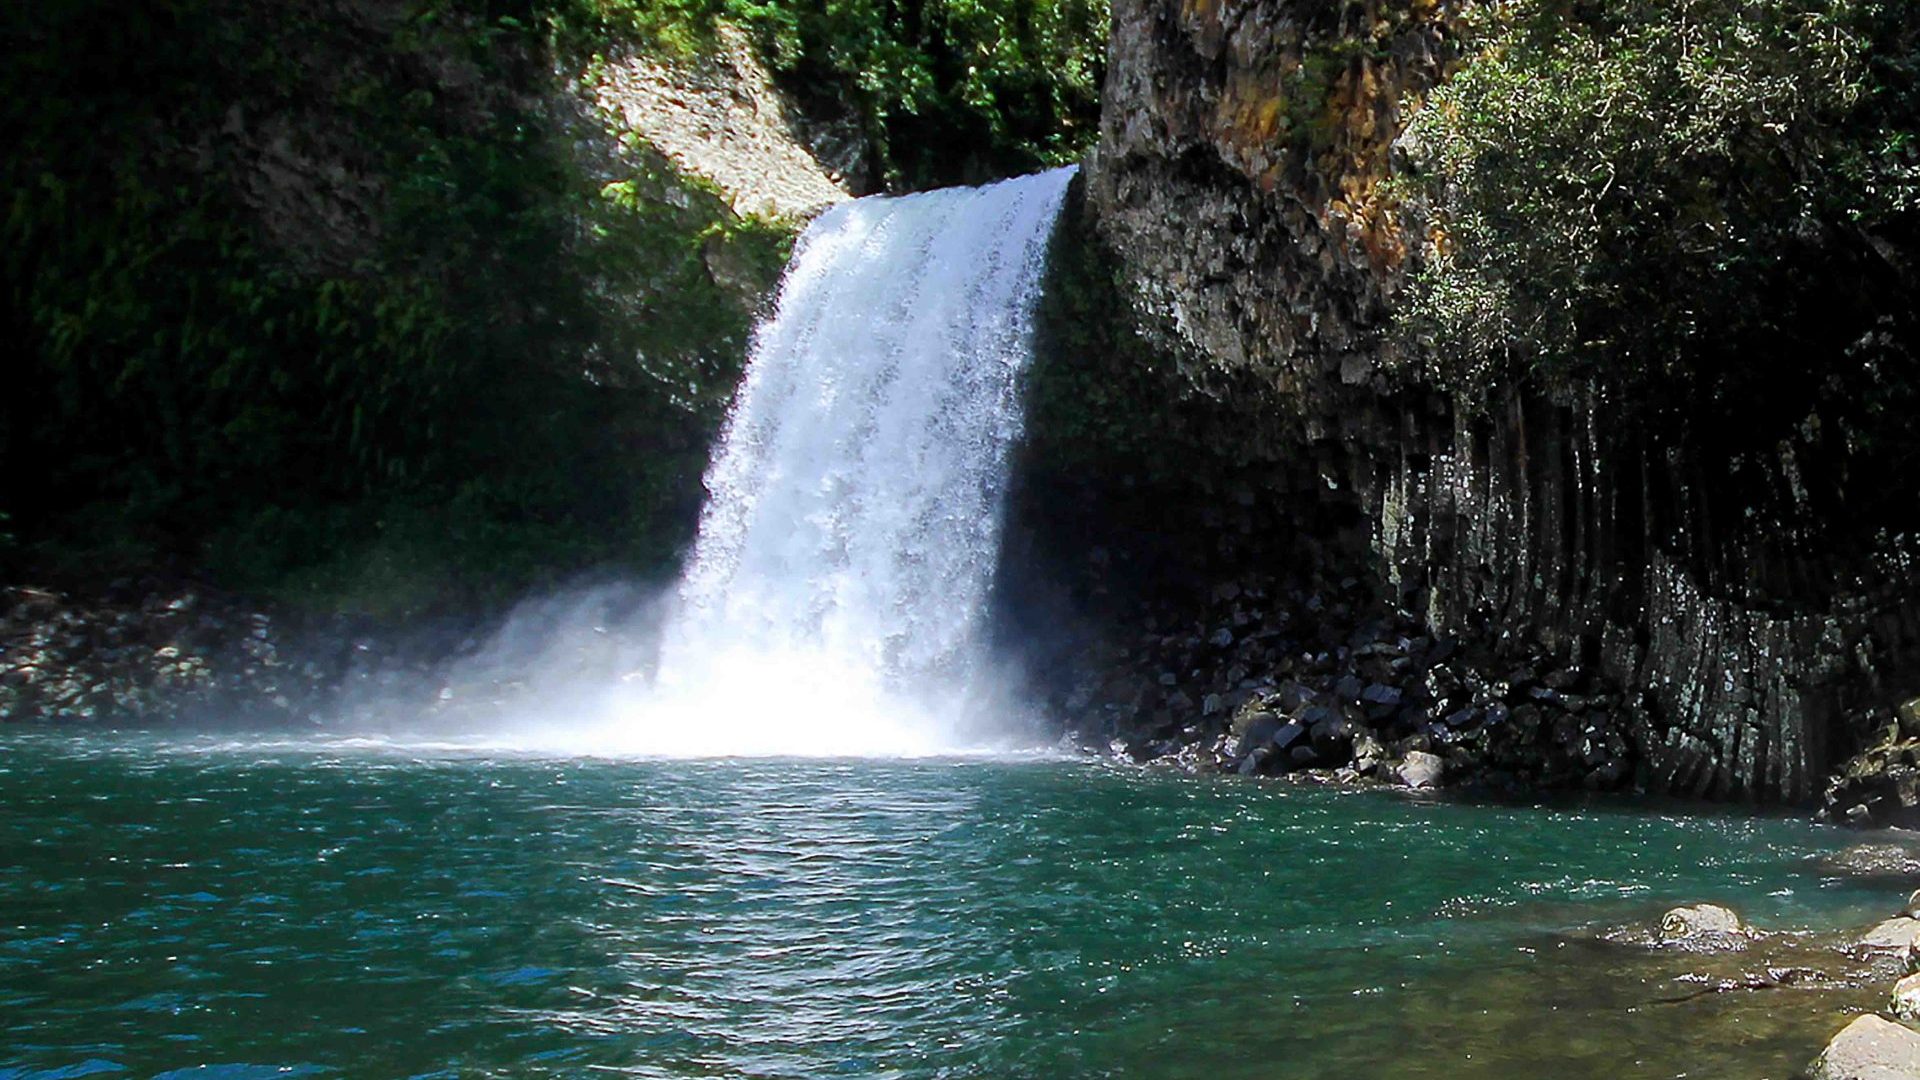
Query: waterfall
{"points": [[835, 595]]}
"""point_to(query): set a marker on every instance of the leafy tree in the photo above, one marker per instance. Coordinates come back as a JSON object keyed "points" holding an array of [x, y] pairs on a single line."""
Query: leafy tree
{"points": [[945, 91], [300, 289], [1681, 191]]}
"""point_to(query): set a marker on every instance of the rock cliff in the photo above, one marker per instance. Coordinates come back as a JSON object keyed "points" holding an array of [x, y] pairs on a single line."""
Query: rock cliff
{"points": [[1752, 627]]}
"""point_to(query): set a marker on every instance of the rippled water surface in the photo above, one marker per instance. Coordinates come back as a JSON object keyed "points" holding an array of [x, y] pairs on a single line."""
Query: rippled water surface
{"points": [[378, 911]]}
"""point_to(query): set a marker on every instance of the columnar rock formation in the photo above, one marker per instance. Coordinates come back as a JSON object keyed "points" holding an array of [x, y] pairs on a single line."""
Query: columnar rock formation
{"points": [[1752, 629]]}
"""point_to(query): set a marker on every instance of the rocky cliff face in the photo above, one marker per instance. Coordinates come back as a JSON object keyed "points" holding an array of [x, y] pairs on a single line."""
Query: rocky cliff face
{"points": [[1241, 183]]}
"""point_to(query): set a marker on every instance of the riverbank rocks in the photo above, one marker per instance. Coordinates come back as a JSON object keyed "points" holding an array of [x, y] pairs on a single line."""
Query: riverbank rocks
{"points": [[148, 652], [1322, 673], [1421, 770], [1870, 1048], [1881, 784]]}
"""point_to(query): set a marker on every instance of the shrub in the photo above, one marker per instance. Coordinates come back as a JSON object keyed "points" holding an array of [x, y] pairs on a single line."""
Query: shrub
{"points": [[1692, 197]]}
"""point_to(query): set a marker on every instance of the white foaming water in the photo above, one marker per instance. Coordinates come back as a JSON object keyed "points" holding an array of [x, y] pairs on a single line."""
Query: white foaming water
{"points": [[836, 592]]}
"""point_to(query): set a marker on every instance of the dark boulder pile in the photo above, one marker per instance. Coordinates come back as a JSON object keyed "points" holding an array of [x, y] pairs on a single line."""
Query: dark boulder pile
{"points": [[148, 652], [1317, 676], [1881, 784]]}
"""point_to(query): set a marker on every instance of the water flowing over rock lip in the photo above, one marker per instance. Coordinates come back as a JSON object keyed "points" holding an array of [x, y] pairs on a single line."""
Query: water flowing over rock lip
{"points": [[833, 602]]}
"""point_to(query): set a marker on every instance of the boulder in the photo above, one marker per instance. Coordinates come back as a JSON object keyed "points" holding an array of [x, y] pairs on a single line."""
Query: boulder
{"points": [[1249, 715], [1870, 1048], [1905, 1002], [1380, 694], [1908, 716], [1332, 738], [1893, 936], [1705, 926], [1420, 769], [1258, 733], [1367, 752], [1255, 762]]}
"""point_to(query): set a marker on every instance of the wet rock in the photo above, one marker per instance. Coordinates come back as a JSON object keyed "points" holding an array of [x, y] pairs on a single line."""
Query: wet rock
{"points": [[1880, 785], [1869, 1048], [1904, 1002], [1892, 936], [1368, 753], [1421, 770], [1705, 927], [1876, 860]]}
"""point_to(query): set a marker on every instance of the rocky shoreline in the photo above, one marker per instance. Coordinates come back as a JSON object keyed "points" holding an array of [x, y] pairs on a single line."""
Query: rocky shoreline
{"points": [[151, 652], [1317, 676], [1870, 975], [1314, 678], [1322, 676]]}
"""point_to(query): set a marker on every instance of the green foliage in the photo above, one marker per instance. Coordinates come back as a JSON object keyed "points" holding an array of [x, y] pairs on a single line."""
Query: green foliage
{"points": [[945, 91], [1690, 196], [303, 289]]}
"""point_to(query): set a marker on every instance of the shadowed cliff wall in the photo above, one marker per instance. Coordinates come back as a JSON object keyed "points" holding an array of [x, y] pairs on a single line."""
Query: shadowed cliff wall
{"points": [[1733, 566]]}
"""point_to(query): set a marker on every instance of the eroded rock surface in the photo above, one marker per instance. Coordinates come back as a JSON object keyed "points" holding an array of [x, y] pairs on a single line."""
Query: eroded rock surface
{"points": [[719, 116]]}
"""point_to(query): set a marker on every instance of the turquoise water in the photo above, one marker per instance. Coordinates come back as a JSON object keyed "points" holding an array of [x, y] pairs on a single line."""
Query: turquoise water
{"points": [[317, 909]]}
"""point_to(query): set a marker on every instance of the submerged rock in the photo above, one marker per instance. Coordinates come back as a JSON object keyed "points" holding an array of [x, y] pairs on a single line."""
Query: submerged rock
{"points": [[1876, 860], [1870, 1048]]}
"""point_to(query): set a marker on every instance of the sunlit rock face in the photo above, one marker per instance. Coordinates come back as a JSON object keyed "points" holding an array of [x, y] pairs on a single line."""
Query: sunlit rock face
{"points": [[1714, 576]]}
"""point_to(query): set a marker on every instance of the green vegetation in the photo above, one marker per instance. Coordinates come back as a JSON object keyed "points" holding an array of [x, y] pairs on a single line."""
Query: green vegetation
{"points": [[1700, 201], [324, 300], [316, 297], [944, 91]]}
